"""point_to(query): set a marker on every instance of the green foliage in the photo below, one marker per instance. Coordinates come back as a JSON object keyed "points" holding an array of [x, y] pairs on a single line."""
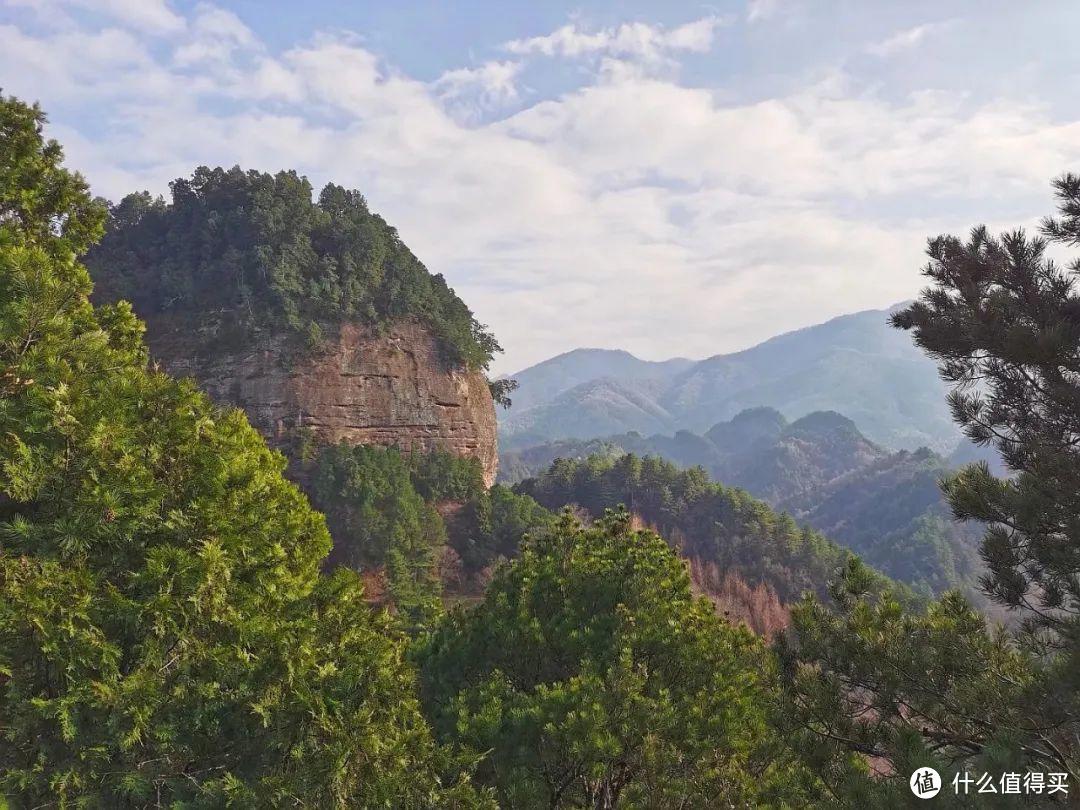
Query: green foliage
{"points": [[893, 515], [380, 505], [516, 466], [443, 476], [165, 636], [871, 679], [40, 200], [713, 523], [940, 687], [885, 507], [235, 252], [1003, 315], [492, 526], [593, 678], [501, 390], [378, 519]]}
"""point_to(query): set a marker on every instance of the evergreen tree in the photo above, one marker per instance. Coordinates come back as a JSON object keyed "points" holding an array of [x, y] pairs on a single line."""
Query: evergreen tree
{"points": [[712, 523], [165, 636], [941, 687], [875, 691], [1003, 321], [379, 521], [443, 476], [594, 678], [236, 252]]}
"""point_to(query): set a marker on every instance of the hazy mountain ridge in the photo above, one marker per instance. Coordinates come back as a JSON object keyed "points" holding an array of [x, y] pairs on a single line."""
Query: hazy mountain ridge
{"points": [[892, 512], [886, 506], [559, 374], [854, 364], [757, 450], [592, 408]]}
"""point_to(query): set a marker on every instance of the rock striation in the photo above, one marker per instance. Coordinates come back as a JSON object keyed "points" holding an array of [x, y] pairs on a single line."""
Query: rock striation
{"points": [[362, 386]]}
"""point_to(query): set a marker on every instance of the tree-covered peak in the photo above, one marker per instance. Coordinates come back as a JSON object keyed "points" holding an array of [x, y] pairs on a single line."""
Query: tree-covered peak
{"points": [[238, 251], [825, 422]]}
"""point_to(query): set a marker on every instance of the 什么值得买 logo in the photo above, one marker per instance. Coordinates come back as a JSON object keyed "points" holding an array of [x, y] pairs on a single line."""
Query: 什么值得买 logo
{"points": [[925, 783]]}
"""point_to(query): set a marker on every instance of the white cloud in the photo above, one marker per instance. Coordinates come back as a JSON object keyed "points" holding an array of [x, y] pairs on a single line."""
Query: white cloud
{"points": [[216, 35], [758, 10], [907, 39], [472, 91], [634, 40], [65, 65], [150, 16], [629, 211]]}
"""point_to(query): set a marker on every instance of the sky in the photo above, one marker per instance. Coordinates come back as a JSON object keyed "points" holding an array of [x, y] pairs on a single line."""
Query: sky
{"points": [[670, 178]]}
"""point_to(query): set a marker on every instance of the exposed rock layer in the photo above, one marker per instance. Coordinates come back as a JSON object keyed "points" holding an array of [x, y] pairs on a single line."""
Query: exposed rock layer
{"points": [[361, 387]]}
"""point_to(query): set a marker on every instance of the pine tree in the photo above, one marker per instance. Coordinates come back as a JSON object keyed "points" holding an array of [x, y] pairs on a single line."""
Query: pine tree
{"points": [[165, 635], [1003, 321], [594, 678], [941, 687]]}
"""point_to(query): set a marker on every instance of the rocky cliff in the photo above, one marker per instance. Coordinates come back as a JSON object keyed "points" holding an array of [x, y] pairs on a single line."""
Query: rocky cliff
{"points": [[362, 387]]}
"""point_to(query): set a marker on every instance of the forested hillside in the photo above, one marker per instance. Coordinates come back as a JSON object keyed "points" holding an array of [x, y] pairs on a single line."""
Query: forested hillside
{"points": [[167, 637], [235, 252], [936, 689], [593, 677], [886, 507], [165, 632], [723, 528], [758, 450], [417, 524]]}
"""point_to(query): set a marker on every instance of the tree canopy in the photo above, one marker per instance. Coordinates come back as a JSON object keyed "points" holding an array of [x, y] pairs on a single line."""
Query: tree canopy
{"points": [[382, 507], [165, 634], [39, 199], [942, 687], [235, 252], [710, 522], [379, 520], [886, 507], [594, 678], [168, 635], [1003, 321]]}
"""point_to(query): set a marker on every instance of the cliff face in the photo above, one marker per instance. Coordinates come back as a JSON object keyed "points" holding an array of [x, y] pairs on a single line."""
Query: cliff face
{"points": [[361, 387]]}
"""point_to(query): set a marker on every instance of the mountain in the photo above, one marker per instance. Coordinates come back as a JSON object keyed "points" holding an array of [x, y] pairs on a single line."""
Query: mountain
{"points": [[855, 364], [757, 450], [800, 460], [721, 527], [593, 408], [546, 381], [892, 513], [886, 506], [348, 338]]}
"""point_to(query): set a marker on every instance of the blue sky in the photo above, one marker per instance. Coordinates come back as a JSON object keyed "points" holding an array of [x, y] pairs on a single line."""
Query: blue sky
{"points": [[670, 178]]}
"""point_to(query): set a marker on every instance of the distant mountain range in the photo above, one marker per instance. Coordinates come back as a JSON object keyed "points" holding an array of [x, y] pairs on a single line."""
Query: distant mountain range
{"points": [[856, 365], [884, 505]]}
